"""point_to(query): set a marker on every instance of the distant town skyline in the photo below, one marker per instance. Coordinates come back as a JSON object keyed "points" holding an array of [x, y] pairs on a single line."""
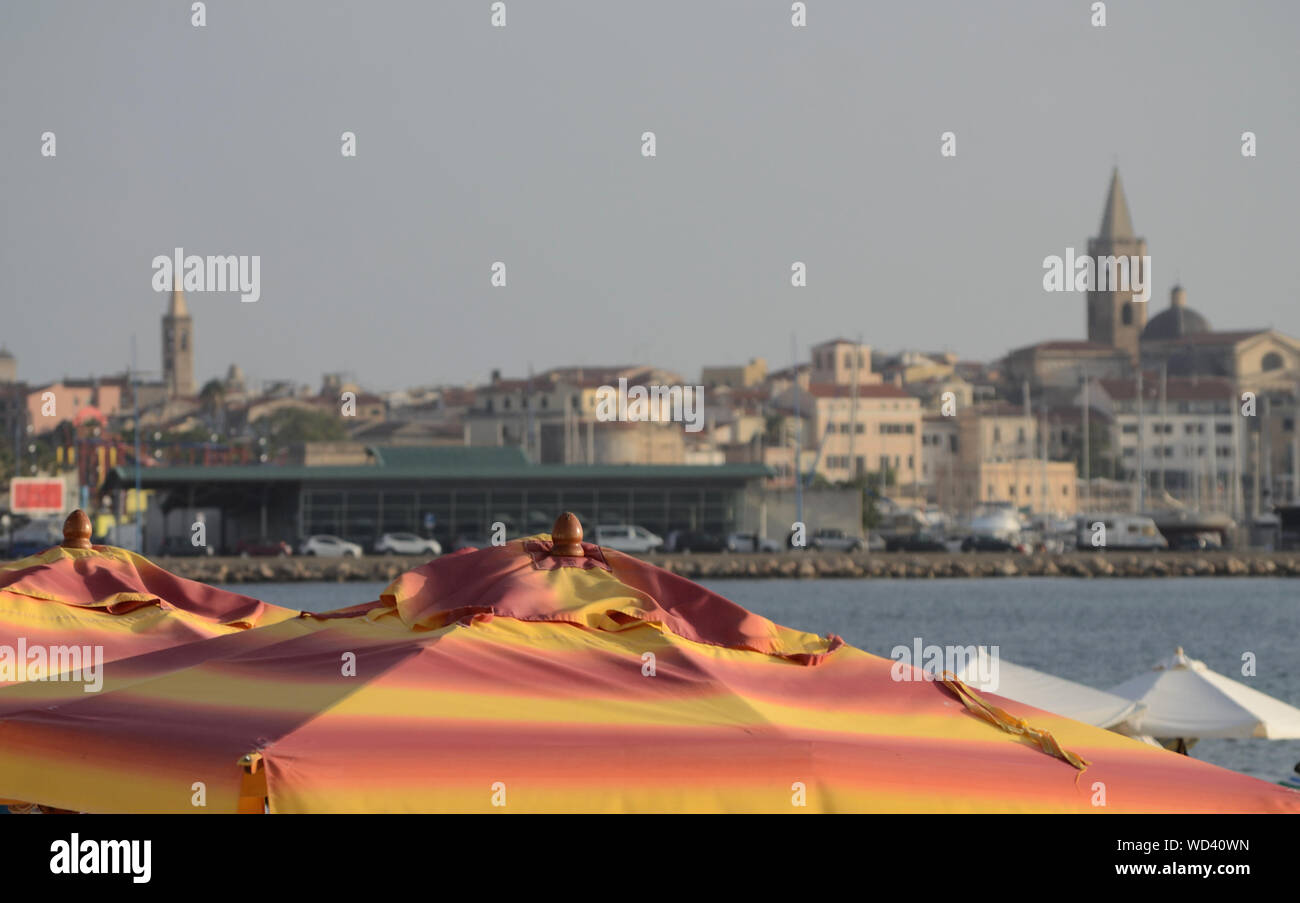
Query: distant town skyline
{"points": [[523, 145]]}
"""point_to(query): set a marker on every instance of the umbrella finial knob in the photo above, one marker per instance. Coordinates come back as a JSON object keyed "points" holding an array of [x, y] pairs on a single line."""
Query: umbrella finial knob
{"points": [[566, 536], [76, 530]]}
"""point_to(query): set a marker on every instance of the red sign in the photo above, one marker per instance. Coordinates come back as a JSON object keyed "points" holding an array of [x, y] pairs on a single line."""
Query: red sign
{"points": [[35, 495]]}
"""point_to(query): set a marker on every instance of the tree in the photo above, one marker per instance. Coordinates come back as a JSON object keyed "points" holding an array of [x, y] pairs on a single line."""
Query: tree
{"points": [[288, 425], [212, 400]]}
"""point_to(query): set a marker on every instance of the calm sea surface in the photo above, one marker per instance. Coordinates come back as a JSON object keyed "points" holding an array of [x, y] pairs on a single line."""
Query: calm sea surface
{"points": [[1098, 632]]}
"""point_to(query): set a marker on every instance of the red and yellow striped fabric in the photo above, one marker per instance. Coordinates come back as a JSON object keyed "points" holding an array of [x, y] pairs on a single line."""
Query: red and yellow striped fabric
{"points": [[112, 600], [505, 680]]}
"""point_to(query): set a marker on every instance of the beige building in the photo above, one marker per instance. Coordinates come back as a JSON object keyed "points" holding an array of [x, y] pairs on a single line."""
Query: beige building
{"points": [[738, 377], [838, 362], [875, 429], [1063, 364], [555, 418], [939, 442], [1041, 486], [991, 455]]}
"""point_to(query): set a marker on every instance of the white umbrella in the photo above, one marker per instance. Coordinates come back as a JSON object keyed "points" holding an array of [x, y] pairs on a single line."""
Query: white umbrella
{"points": [[1046, 691], [1184, 698]]}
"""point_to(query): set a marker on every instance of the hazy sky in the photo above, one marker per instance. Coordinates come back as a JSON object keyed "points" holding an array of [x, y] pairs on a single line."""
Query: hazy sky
{"points": [[523, 144]]}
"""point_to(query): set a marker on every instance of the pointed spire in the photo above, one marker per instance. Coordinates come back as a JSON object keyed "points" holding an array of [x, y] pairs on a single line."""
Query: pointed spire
{"points": [[177, 306], [1115, 222]]}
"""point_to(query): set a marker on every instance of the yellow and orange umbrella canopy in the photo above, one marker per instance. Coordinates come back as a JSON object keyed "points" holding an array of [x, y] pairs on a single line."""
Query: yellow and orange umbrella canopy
{"points": [[110, 601], [550, 675]]}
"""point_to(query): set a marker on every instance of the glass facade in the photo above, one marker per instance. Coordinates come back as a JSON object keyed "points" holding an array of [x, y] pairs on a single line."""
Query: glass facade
{"points": [[361, 514]]}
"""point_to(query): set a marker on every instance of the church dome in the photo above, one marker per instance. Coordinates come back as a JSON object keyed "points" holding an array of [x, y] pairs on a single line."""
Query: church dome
{"points": [[1176, 321]]}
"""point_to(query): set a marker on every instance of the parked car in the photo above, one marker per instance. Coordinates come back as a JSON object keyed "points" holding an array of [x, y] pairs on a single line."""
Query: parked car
{"points": [[831, 540], [921, 542], [406, 544], [627, 538], [182, 547], [327, 546], [979, 543], [1196, 542], [751, 542], [696, 541], [262, 548]]}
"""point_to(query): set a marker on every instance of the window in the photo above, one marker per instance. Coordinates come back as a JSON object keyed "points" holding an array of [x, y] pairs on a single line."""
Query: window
{"points": [[1126, 315], [1271, 361]]}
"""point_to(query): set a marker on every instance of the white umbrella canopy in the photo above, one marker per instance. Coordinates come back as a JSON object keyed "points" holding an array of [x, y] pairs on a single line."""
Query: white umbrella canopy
{"points": [[1047, 692], [1183, 698]]}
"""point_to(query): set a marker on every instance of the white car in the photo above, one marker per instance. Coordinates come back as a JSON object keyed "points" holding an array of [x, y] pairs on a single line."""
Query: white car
{"points": [[406, 544], [327, 546], [627, 538]]}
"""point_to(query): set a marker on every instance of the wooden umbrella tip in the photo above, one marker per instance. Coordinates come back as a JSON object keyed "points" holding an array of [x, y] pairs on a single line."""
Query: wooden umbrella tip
{"points": [[76, 530], [566, 536]]}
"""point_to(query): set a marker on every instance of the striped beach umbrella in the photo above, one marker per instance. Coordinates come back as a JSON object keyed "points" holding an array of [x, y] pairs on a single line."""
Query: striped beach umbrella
{"points": [[552, 675], [76, 606]]}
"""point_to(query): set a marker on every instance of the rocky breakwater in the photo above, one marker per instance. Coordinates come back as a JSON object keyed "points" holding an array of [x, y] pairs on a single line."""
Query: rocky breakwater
{"points": [[921, 566], [945, 565], [291, 569]]}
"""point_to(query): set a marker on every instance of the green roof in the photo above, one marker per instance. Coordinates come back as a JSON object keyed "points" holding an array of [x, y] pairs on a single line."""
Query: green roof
{"points": [[440, 457], [454, 462]]}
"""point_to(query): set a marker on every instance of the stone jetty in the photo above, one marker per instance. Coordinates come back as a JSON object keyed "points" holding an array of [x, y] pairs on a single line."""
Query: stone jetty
{"points": [[809, 564]]}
